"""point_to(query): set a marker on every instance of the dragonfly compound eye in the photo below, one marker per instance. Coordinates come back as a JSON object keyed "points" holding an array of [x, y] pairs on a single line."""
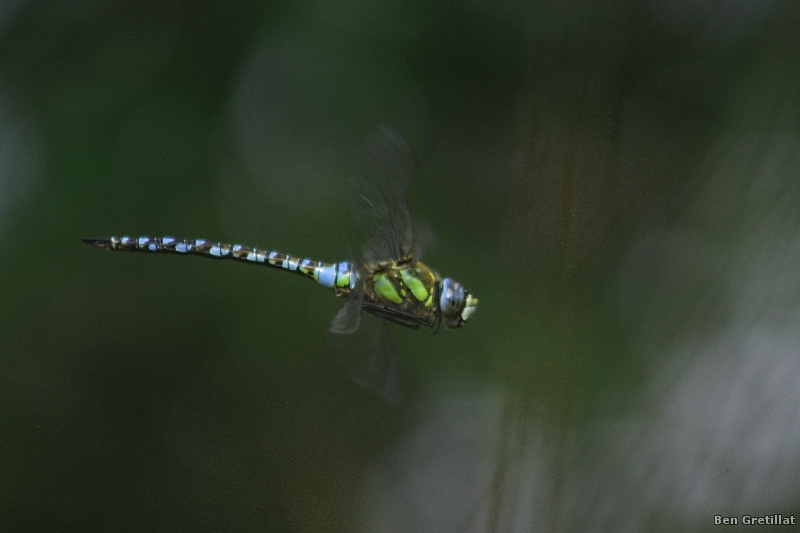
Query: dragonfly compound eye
{"points": [[452, 302]]}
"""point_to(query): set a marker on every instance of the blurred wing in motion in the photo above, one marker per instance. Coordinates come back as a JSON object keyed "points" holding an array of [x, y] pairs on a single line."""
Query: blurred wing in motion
{"points": [[368, 356], [348, 319], [378, 197]]}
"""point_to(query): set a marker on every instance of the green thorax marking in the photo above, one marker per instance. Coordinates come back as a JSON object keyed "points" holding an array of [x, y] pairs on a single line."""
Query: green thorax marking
{"points": [[407, 286]]}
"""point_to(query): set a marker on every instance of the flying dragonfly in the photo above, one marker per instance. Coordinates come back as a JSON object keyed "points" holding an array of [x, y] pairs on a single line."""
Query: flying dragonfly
{"points": [[387, 282]]}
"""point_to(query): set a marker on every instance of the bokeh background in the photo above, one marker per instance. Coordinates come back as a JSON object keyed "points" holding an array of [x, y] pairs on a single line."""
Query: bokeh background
{"points": [[618, 182]]}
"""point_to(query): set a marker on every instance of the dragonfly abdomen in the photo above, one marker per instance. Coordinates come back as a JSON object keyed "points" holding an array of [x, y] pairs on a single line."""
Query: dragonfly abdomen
{"points": [[336, 276]]}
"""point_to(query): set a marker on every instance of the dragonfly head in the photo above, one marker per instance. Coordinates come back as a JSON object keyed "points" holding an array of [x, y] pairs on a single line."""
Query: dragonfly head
{"points": [[456, 304]]}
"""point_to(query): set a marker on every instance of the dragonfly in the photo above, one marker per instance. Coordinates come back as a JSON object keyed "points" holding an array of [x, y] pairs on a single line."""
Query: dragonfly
{"points": [[387, 281]]}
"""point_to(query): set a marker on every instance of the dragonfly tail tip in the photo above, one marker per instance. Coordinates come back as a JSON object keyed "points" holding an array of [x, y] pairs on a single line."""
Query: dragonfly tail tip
{"points": [[100, 243]]}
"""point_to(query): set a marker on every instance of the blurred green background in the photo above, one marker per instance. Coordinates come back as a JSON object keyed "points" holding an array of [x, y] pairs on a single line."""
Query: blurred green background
{"points": [[618, 182]]}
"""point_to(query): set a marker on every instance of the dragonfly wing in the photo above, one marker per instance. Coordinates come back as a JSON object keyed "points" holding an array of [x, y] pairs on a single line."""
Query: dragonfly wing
{"points": [[368, 356], [387, 380], [424, 238], [378, 197], [348, 319]]}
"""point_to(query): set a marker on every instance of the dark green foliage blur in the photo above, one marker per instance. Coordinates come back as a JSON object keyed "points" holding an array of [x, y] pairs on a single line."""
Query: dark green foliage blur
{"points": [[593, 172]]}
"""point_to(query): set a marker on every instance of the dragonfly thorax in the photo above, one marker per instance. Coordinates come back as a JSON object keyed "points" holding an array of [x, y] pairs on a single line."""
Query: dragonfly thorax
{"points": [[403, 292]]}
